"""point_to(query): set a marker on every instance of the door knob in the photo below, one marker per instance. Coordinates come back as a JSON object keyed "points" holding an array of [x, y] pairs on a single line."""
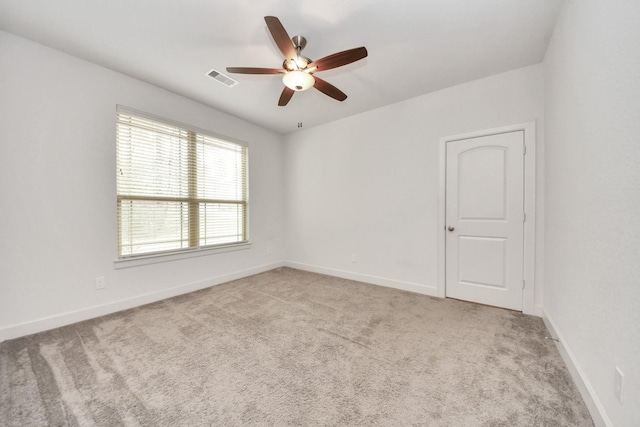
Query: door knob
{"points": [[451, 228]]}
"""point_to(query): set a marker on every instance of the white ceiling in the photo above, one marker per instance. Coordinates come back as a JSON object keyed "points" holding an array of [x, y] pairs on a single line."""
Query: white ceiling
{"points": [[415, 46]]}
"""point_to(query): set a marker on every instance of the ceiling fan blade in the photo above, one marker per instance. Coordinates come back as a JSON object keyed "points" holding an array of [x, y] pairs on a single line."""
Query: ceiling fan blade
{"points": [[285, 96], [281, 37], [339, 59], [253, 70], [329, 89]]}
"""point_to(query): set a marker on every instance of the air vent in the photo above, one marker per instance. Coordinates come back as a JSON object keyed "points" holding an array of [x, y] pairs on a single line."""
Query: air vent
{"points": [[222, 78]]}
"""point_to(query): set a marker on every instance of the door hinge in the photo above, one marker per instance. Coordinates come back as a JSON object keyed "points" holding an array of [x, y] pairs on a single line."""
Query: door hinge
{"points": [[524, 216], [524, 149], [522, 283]]}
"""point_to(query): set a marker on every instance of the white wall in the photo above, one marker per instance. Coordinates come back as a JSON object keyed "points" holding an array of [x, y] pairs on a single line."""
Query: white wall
{"points": [[592, 277], [368, 184], [57, 181]]}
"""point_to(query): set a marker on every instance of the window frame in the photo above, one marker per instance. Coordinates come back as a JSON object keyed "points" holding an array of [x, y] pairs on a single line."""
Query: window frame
{"points": [[130, 260]]}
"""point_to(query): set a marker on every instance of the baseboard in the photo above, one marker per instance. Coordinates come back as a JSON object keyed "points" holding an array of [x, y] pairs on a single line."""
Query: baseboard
{"points": [[40, 325], [589, 396], [366, 278]]}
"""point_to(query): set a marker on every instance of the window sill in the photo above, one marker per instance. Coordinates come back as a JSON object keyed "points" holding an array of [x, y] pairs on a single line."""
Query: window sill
{"points": [[141, 260]]}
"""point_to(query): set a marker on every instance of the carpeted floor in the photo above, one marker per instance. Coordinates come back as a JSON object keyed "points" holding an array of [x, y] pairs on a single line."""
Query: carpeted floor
{"points": [[291, 348]]}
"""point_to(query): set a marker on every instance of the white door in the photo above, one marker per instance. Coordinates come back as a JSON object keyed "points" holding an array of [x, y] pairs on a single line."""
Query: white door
{"points": [[484, 219]]}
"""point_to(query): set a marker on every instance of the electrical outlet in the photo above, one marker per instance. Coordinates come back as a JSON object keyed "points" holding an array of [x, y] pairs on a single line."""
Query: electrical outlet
{"points": [[619, 383], [354, 258], [101, 283]]}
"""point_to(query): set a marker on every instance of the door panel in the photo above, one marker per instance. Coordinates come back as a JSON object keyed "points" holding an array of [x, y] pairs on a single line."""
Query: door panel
{"points": [[481, 261], [484, 213], [481, 186]]}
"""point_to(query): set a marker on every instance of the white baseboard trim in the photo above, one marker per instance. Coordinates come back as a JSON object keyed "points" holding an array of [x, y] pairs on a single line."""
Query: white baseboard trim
{"points": [[44, 324], [366, 278], [598, 414]]}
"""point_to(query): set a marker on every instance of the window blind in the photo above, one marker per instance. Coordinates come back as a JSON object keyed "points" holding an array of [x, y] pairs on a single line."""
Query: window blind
{"points": [[177, 189]]}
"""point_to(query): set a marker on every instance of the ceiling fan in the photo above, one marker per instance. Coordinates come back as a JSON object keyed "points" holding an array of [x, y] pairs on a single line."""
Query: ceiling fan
{"points": [[298, 71]]}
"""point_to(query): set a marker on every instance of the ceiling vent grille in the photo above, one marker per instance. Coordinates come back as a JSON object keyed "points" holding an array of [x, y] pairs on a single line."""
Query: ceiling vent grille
{"points": [[222, 78]]}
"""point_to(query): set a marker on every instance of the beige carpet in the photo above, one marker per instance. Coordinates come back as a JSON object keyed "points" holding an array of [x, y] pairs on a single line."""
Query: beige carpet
{"points": [[291, 348]]}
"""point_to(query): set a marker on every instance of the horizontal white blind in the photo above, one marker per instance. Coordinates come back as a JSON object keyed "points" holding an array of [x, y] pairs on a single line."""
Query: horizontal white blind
{"points": [[177, 188]]}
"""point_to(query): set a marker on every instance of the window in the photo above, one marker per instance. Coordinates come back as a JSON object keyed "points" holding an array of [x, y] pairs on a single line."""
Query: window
{"points": [[178, 189]]}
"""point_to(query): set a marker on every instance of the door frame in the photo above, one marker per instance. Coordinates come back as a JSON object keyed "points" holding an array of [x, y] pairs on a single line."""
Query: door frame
{"points": [[529, 129]]}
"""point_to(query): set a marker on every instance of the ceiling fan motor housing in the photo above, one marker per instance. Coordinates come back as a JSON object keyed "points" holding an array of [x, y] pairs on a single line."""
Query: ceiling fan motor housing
{"points": [[299, 63]]}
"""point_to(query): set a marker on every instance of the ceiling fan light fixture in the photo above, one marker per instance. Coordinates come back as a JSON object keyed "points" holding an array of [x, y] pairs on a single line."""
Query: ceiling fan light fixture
{"points": [[298, 80]]}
